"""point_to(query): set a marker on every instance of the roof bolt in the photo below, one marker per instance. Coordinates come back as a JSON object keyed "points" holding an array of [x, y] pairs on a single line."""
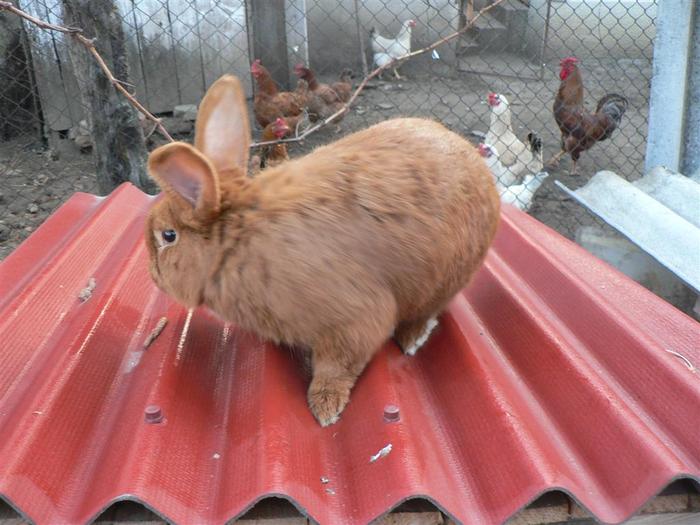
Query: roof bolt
{"points": [[391, 414], [153, 414]]}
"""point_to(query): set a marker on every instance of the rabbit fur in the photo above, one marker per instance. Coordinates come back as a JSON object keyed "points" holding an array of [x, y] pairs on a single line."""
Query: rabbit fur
{"points": [[335, 251]]}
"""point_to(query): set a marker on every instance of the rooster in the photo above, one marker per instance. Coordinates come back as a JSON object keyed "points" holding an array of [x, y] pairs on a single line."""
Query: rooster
{"points": [[517, 157], [579, 128], [386, 50], [322, 101], [269, 103]]}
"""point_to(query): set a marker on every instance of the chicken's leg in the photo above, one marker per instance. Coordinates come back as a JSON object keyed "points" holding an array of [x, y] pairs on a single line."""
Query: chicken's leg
{"points": [[396, 74], [573, 168], [554, 161]]}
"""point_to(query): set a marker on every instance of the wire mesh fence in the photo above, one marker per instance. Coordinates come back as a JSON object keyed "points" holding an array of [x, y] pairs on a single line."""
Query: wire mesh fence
{"points": [[495, 84]]}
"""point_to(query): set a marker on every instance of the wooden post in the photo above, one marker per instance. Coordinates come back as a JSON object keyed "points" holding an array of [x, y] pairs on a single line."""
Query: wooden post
{"points": [[269, 37], [119, 147]]}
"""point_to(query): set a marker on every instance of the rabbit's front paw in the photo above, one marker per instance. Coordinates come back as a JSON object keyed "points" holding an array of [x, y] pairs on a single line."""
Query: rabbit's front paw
{"points": [[327, 401]]}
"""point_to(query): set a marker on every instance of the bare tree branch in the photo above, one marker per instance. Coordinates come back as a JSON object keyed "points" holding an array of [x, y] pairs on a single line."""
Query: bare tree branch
{"points": [[394, 63], [90, 46], [88, 43]]}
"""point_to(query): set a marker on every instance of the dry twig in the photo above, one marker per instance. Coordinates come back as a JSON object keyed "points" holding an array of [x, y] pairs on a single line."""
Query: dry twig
{"points": [[89, 44], [153, 129], [155, 332], [119, 85], [377, 71]]}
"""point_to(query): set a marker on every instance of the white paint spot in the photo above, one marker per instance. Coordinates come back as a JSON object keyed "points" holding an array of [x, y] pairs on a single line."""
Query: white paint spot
{"points": [[383, 452], [132, 361], [86, 292]]}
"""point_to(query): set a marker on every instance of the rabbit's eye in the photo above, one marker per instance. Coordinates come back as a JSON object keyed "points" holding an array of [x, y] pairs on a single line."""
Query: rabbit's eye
{"points": [[169, 236], [165, 238]]}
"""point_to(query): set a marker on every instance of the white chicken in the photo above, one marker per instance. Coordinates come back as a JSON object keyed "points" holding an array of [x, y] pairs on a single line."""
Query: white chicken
{"points": [[501, 175], [388, 49], [520, 159], [519, 195]]}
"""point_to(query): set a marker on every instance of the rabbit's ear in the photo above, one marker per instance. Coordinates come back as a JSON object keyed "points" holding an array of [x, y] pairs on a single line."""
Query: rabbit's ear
{"points": [[186, 176], [222, 131]]}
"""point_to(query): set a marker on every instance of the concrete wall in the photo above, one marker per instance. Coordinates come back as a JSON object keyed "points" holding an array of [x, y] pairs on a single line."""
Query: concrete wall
{"points": [[594, 28], [333, 40]]}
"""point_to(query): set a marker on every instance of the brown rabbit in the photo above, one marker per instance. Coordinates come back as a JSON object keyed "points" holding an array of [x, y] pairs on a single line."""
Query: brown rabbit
{"points": [[334, 251]]}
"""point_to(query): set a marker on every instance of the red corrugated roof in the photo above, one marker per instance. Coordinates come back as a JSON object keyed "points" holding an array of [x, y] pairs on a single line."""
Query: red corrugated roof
{"points": [[551, 371]]}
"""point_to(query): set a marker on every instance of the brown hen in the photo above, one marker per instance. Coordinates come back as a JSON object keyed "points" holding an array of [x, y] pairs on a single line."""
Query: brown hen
{"points": [[323, 101], [270, 103], [343, 87]]}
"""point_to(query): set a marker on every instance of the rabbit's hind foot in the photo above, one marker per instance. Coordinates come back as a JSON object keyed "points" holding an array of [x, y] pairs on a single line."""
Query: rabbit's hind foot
{"points": [[412, 335]]}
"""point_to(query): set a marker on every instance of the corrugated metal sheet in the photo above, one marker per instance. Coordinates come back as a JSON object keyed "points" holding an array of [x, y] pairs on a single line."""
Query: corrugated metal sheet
{"points": [[551, 371]]}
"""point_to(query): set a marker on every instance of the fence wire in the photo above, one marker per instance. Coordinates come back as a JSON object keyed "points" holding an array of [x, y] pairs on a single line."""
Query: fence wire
{"points": [[176, 48]]}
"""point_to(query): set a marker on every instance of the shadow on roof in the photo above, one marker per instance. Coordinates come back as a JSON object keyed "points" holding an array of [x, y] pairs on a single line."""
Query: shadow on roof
{"points": [[130, 512], [271, 508], [8, 513]]}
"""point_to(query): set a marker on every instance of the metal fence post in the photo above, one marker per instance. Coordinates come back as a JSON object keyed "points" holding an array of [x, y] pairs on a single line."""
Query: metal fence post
{"points": [[672, 78]]}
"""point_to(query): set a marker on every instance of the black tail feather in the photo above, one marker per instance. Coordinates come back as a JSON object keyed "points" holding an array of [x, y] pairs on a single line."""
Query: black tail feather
{"points": [[535, 142], [613, 106]]}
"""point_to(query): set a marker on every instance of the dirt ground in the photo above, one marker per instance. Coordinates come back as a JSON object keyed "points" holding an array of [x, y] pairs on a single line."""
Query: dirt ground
{"points": [[35, 182]]}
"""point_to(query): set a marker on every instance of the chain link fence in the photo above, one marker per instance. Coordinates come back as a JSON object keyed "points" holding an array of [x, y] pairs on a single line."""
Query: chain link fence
{"points": [[176, 48]]}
